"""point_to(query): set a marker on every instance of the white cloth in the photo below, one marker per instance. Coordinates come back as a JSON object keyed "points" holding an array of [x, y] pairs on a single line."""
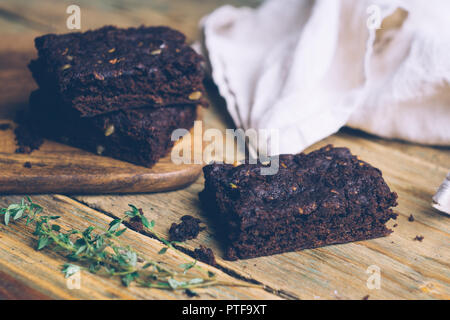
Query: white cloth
{"points": [[308, 67]]}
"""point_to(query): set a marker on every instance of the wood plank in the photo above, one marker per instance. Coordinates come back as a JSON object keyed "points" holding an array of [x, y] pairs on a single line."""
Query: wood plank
{"points": [[38, 272], [409, 268]]}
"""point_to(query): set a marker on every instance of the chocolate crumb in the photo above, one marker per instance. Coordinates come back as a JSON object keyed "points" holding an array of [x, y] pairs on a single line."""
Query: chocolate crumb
{"points": [[411, 218], [419, 238], [136, 223], [189, 228], [395, 225], [4, 126], [191, 293], [27, 165], [366, 297], [205, 255]]}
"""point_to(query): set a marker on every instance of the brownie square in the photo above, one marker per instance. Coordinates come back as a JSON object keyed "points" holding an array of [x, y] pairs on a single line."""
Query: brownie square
{"points": [[139, 136], [326, 197], [108, 69]]}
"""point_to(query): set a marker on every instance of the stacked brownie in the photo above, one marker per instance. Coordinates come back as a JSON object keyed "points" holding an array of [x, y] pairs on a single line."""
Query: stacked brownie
{"points": [[326, 197], [117, 92]]}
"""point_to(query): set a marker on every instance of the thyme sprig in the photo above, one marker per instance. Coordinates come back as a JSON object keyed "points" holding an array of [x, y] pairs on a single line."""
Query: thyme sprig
{"points": [[101, 251]]}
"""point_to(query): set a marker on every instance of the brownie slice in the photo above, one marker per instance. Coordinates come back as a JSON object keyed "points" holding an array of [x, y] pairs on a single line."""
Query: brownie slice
{"points": [[326, 197], [108, 69], [139, 136]]}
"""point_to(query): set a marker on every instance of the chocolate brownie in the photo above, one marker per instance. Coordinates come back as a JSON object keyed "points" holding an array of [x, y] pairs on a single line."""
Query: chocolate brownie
{"points": [[139, 136], [108, 69], [325, 197]]}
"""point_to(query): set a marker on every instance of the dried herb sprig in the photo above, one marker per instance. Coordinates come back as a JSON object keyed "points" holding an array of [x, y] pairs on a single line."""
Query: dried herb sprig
{"points": [[100, 251]]}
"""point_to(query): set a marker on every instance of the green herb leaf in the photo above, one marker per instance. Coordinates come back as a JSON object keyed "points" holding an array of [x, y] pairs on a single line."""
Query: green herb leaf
{"points": [[120, 232], [7, 215], [163, 250], [146, 223], [114, 225], [196, 281], [187, 266], [128, 278], [42, 242], [70, 269], [19, 213], [174, 284]]}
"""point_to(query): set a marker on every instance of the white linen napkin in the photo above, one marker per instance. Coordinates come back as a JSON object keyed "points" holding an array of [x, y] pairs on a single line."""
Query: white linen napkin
{"points": [[308, 67]]}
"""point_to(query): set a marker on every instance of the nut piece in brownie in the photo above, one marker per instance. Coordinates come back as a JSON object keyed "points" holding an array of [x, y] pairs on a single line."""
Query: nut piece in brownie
{"points": [[139, 136], [107, 69], [325, 197]]}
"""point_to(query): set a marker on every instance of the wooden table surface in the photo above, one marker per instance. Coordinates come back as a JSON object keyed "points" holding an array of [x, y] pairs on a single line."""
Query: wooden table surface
{"points": [[409, 269]]}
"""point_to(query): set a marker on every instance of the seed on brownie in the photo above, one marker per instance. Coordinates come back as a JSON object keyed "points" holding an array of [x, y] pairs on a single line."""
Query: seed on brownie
{"points": [[100, 150], [195, 95], [112, 50], [300, 210], [233, 186], [113, 61], [65, 67], [109, 131], [155, 52], [70, 58], [98, 76]]}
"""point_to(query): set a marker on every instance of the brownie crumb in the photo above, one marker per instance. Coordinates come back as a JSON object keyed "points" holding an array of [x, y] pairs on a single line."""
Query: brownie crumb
{"points": [[188, 229], [4, 126], [136, 223], [395, 225], [205, 255], [411, 218], [27, 165], [191, 293], [419, 238], [366, 297]]}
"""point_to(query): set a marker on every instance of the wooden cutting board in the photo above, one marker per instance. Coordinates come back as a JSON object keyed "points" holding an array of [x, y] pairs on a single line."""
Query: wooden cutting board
{"points": [[58, 168]]}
